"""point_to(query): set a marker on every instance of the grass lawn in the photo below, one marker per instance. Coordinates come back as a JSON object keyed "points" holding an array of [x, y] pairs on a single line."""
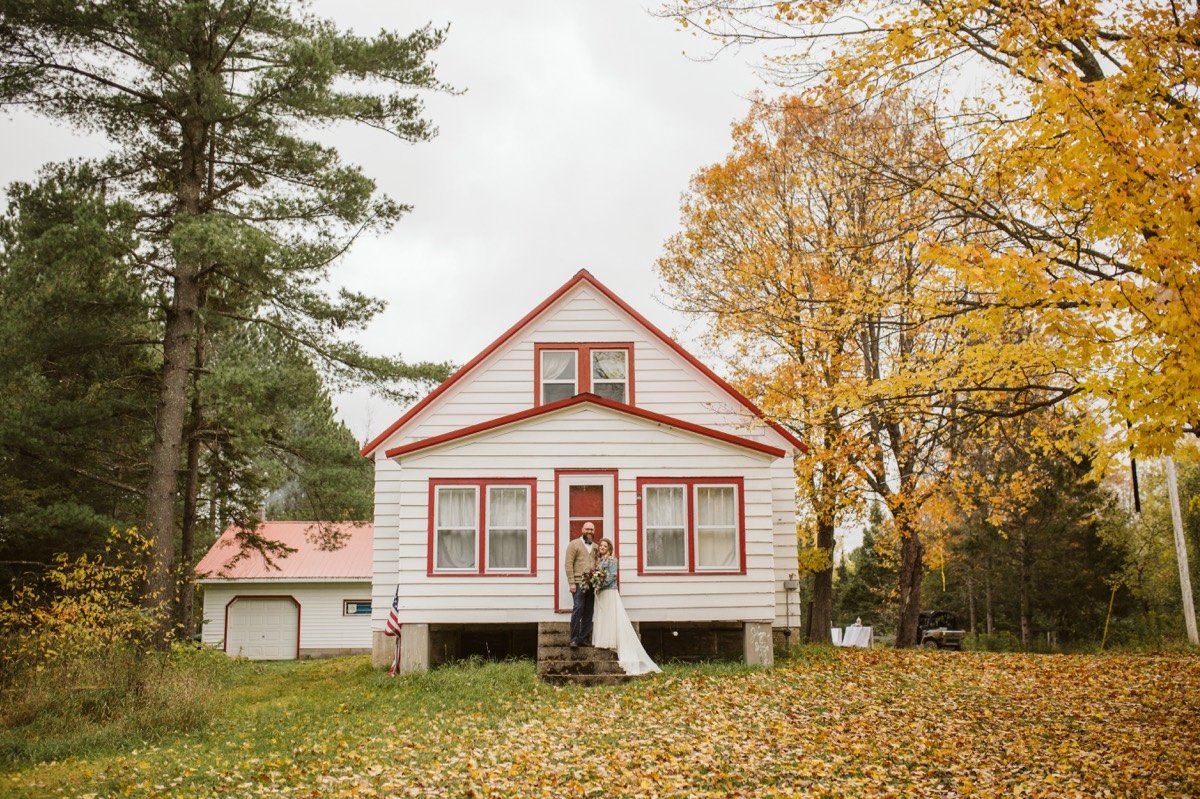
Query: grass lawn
{"points": [[827, 723]]}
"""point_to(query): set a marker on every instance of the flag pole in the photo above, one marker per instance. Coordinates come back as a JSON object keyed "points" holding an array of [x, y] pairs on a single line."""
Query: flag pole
{"points": [[392, 628]]}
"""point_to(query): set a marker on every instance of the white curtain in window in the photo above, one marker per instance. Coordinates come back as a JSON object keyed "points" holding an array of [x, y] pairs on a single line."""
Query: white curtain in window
{"points": [[558, 365], [716, 527], [664, 518], [508, 528], [558, 375], [456, 533]]}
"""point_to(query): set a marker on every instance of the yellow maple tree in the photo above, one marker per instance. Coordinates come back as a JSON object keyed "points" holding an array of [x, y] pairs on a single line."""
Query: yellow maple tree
{"points": [[810, 265], [1071, 132]]}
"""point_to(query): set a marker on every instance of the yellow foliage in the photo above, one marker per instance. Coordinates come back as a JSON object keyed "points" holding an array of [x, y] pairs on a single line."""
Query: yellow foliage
{"points": [[1073, 131], [811, 263], [77, 607], [810, 560]]}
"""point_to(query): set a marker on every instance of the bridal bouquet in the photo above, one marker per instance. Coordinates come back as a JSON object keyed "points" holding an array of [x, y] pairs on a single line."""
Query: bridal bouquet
{"points": [[593, 579]]}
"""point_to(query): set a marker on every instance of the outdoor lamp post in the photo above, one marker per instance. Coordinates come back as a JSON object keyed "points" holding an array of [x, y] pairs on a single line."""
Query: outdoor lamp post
{"points": [[790, 586]]}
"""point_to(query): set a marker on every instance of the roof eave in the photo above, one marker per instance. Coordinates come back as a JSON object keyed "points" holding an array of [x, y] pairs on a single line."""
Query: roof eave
{"points": [[231, 580], [581, 399]]}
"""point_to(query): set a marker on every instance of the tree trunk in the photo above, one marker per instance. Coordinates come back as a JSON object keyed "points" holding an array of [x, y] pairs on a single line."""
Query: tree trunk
{"points": [[1026, 551], [171, 415], [169, 424], [191, 492], [822, 613], [911, 571], [987, 600], [971, 599]]}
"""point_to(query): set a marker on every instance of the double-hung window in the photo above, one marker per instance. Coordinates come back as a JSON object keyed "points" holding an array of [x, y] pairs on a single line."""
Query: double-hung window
{"points": [[482, 526], [564, 370], [691, 525]]}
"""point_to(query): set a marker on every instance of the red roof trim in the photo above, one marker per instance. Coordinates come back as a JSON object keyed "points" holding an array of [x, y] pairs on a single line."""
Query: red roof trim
{"points": [[694, 361], [580, 399], [581, 276], [471, 364]]}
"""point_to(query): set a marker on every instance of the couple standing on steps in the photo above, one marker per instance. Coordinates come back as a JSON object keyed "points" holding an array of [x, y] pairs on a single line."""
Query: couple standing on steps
{"points": [[598, 618]]}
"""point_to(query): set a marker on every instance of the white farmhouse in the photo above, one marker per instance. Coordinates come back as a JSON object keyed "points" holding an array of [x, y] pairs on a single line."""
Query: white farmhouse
{"points": [[581, 411], [313, 602]]}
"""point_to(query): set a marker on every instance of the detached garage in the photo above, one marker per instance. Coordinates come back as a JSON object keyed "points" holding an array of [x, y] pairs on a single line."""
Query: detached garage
{"points": [[313, 602]]}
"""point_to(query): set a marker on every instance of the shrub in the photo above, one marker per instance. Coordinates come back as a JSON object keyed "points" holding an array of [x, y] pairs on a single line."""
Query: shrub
{"points": [[76, 666], [1153, 631], [1001, 641]]}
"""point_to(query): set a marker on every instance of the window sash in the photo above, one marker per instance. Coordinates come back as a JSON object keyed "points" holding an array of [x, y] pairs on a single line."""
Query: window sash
{"points": [[614, 388], [716, 527], [454, 542], [665, 524], [508, 528], [552, 388]]}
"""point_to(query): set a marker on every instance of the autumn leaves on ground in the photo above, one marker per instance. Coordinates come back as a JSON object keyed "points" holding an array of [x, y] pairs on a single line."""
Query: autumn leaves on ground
{"points": [[827, 723]]}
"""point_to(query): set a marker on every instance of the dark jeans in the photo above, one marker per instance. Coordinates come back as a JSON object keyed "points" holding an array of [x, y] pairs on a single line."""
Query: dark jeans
{"points": [[581, 615]]}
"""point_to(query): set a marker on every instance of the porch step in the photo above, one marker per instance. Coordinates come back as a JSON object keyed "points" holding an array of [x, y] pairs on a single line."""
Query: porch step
{"points": [[559, 664]]}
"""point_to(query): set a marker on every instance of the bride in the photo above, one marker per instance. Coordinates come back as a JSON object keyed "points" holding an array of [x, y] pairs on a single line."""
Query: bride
{"points": [[611, 628]]}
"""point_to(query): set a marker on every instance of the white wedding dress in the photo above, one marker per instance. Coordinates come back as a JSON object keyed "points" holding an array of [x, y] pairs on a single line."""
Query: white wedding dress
{"points": [[611, 629]]}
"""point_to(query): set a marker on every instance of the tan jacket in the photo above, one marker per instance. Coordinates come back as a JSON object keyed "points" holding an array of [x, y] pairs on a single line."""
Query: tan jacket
{"points": [[579, 560]]}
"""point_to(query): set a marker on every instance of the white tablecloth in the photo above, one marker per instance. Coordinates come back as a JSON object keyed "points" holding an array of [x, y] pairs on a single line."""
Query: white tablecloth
{"points": [[853, 636]]}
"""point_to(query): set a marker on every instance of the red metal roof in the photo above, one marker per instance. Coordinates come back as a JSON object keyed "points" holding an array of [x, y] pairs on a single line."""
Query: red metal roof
{"points": [[350, 560], [590, 399], [580, 277]]}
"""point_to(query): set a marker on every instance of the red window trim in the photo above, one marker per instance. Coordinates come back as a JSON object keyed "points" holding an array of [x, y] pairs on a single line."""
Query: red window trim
{"points": [[616, 522], [482, 484], [690, 484], [583, 365]]}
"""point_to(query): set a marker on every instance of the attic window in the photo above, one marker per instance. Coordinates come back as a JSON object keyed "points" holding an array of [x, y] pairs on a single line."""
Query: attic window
{"points": [[564, 370]]}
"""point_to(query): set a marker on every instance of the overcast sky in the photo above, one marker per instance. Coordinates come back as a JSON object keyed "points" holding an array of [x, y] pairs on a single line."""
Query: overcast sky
{"points": [[578, 129]]}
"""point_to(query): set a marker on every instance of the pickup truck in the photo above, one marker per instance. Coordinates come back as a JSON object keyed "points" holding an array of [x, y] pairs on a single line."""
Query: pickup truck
{"points": [[938, 629]]}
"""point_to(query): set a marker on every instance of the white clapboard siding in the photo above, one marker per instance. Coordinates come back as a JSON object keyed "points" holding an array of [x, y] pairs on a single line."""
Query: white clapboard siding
{"points": [[384, 567], [322, 625], [783, 487], [664, 381], [579, 437]]}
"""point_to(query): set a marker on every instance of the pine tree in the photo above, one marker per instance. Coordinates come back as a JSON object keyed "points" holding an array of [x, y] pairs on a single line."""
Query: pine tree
{"points": [[212, 110]]}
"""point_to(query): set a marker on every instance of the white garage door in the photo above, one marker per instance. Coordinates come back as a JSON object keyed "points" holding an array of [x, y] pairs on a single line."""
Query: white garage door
{"points": [[263, 628]]}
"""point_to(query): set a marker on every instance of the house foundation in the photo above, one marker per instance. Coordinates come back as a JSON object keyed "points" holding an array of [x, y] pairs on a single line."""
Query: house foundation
{"points": [[758, 643]]}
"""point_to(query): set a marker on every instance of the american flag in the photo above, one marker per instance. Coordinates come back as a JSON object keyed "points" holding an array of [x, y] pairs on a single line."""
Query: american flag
{"points": [[393, 622], [393, 628]]}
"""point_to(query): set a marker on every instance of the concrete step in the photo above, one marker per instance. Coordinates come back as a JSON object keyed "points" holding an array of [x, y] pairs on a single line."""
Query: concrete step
{"points": [[578, 667], [560, 664], [554, 636], [564, 652]]}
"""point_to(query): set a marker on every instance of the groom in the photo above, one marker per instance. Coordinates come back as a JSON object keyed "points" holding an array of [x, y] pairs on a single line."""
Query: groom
{"points": [[581, 557]]}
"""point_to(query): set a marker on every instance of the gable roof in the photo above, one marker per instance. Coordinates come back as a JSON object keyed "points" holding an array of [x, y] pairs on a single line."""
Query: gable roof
{"points": [[582, 276], [585, 399], [351, 561]]}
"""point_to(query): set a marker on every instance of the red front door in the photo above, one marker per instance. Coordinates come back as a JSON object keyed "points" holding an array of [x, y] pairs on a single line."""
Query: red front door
{"points": [[583, 496]]}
